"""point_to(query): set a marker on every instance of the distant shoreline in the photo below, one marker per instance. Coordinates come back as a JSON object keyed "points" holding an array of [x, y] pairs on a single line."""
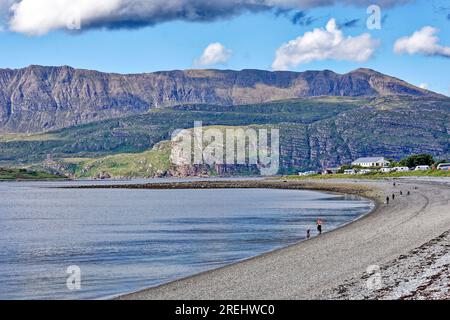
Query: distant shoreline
{"points": [[313, 269], [239, 184]]}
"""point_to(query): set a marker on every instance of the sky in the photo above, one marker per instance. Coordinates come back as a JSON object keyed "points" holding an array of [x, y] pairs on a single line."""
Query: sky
{"points": [[410, 40]]}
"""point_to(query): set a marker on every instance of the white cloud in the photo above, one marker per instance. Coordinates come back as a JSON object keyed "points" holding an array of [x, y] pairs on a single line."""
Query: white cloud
{"points": [[424, 42], [423, 85], [321, 44], [36, 17], [215, 53]]}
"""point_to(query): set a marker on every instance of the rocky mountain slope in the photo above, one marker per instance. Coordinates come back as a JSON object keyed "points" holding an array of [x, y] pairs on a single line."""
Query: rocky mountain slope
{"points": [[37, 99]]}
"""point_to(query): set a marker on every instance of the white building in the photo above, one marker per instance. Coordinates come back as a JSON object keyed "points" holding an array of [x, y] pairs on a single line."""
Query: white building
{"points": [[371, 162]]}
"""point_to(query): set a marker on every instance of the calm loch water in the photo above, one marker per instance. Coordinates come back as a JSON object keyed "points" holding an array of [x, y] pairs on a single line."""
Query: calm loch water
{"points": [[124, 240]]}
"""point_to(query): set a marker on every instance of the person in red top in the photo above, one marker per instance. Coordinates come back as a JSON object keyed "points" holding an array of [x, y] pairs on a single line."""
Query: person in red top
{"points": [[319, 226]]}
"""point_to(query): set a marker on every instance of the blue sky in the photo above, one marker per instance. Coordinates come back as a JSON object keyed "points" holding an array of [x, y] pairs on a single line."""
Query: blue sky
{"points": [[252, 39]]}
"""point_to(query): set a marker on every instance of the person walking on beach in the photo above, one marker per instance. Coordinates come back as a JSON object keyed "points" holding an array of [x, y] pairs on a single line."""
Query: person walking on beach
{"points": [[408, 193], [319, 226], [308, 234], [393, 196], [387, 200], [401, 193]]}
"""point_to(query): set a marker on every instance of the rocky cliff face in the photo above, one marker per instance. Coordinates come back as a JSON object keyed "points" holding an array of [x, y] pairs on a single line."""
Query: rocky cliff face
{"points": [[37, 98]]}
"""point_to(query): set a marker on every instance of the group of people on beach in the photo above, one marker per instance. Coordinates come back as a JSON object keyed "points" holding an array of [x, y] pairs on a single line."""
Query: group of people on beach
{"points": [[319, 221], [319, 229], [393, 194]]}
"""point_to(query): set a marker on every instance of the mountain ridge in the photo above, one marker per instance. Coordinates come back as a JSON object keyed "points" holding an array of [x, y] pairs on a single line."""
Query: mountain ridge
{"points": [[40, 98]]}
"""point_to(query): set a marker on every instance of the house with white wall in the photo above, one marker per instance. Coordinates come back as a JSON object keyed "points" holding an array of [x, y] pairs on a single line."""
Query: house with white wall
{"points": [[368, 162]]}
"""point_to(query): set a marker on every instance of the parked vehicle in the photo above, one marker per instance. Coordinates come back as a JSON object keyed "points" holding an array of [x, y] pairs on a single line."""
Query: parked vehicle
{"points": [[307, 173], [443, 166], [349, 171], [401, 169], [386, 170], [422, 168], [330, 171]]}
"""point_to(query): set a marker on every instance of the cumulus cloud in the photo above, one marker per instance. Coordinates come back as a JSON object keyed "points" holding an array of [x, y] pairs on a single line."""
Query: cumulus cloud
{"points": [[215, 53], [321, 44], [36, 17], [424, 42]]}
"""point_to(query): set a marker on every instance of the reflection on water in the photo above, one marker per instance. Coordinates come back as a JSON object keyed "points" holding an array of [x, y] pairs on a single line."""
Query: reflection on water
{"points": [[124, 240]]}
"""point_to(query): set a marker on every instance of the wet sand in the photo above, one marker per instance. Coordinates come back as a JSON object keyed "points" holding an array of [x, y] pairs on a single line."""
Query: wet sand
{"points": [[317, 268]]}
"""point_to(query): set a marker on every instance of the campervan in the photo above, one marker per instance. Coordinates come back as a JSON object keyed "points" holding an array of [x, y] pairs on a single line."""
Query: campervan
{"points": [[443, 166], [422, 168]]}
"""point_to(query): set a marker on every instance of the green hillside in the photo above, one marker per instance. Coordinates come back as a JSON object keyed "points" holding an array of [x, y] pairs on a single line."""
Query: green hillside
{"points": [[314, 133], [145, 164], [139, 133], [23, 174]]}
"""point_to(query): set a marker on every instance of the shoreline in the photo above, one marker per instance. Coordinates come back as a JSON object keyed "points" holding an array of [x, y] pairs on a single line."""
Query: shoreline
{"points": [[313, 269], [125, 294]]}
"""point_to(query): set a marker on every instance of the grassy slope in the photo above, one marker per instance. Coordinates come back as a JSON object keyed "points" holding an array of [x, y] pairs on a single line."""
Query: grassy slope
{"points": [[144, 164], [22, 174]]}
